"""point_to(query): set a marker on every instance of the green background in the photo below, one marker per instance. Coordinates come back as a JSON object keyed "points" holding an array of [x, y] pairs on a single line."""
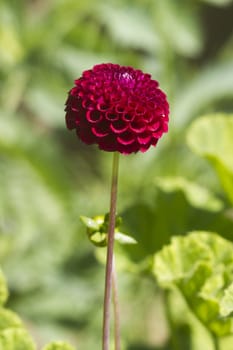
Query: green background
{"points": [[48, 178]]}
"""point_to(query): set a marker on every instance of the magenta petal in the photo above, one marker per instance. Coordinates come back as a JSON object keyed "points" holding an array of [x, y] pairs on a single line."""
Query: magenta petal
{"points": [[144, 148], [111, 116], [126, 138], [99, 131], [127, 149], [93, 116], [155, 126], [143, 139], [86, 136], [72, 119], [119, 126], [88, 104], [120, 108], [137, 127]]}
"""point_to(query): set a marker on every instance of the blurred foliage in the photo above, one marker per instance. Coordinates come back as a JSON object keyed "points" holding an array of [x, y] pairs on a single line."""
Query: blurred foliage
{"points": [[13, 334], [49, 178]]}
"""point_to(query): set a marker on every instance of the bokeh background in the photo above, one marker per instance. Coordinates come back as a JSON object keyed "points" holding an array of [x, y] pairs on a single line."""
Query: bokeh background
{"points": [[48, 178]]}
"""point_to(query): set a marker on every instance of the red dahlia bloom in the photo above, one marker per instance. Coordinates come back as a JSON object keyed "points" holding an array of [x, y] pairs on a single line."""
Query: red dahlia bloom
{"points": [[118, 108]]}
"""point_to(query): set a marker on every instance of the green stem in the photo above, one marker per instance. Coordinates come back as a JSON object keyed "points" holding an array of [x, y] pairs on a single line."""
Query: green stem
{"points": [[117, 339], [110, 246], [215, 342], [167, 306]]}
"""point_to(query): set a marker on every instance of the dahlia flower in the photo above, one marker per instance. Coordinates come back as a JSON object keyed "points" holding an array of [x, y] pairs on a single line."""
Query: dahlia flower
{"points": [[118, 108]]}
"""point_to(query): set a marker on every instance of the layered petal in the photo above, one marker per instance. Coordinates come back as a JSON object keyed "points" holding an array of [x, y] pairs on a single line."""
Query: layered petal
{"points": [[118, 108]]}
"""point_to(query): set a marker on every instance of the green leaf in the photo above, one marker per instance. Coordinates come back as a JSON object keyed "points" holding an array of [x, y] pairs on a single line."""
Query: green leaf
{"points": [[58, 346], [200, 266], [197, 195], [165, 214], [226, 306], [124, 239], [93, 224], [211, 138], [9, 319], [3, 289], [16, 339]]}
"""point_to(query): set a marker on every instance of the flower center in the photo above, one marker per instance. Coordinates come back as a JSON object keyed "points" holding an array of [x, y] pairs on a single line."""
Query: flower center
{"points": [[126, 79]]}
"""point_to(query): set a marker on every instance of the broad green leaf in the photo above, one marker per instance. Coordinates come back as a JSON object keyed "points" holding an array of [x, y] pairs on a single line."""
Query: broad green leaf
{"points": [[200, 266], [212, 138], [163, 209], [9, 319], [58, 346], [197, 195], [16, 339], [3, 289], [226, 306]]}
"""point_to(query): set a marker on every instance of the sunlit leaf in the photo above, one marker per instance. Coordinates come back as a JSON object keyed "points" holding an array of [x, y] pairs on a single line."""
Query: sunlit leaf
{"points": [[200, 266], [16, 339], [9, 319], [197, 195], [211, 138], [226, 306], [124, 239], [93, 224]]}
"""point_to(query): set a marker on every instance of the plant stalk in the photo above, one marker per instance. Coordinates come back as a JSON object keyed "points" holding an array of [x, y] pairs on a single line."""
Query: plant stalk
{"points": [[117, 339], [110, 246], [215, 342]]}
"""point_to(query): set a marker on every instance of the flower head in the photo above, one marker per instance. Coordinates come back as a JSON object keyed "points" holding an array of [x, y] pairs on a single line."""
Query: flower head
{"points": [[118, 108]]}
